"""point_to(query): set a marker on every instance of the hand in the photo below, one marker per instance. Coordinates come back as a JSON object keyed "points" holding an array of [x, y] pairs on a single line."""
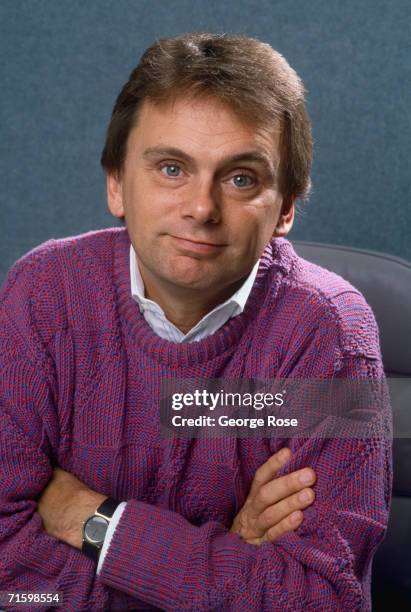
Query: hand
{"points": [[273, 507], [65, 504]]}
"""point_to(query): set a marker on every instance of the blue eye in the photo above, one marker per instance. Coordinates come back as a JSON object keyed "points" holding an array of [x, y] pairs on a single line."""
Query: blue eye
{"points": [[171, 170], [242, 180]]}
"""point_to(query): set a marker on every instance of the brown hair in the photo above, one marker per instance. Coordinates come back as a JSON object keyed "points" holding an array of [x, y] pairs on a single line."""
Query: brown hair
{"points": [[246, 74]]}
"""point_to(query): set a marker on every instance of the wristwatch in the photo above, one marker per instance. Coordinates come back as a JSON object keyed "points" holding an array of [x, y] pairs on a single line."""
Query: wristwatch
{"points": [[95, 528]]}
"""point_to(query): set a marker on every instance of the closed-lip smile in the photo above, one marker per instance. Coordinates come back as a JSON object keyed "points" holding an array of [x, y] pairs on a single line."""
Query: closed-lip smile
{"points": [[196, 245], [198, 241]]}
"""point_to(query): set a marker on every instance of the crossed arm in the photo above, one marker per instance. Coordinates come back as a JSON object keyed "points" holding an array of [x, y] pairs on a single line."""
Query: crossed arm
{"points": [[157, 557], [272, 508], [160, 559]]}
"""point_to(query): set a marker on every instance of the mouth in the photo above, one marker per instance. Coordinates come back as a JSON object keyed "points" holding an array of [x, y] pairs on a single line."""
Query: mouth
{"points": [[197, 246]]}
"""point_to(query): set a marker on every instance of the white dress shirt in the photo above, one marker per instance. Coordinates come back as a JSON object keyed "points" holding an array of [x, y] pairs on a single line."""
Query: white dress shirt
{"points": [[155, 317]]}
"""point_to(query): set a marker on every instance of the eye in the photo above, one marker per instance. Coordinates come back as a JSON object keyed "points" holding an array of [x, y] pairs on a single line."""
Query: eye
{"points": [[242, 180], [171, 170]]}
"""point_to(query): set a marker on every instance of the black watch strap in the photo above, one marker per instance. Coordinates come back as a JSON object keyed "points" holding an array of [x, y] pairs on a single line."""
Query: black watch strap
{"points": [[106, 510], [91, 550]]}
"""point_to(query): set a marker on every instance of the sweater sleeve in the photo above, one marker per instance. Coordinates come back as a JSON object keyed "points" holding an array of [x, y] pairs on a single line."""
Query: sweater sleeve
{"points": [[158, 556], [30, 559]]}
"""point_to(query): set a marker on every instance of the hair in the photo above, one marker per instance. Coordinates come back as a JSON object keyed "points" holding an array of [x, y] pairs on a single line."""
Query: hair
{"points": [[249, 76]]}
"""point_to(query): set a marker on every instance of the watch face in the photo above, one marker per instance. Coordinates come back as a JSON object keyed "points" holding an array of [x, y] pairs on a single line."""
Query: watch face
{"points": [[95, 529]]}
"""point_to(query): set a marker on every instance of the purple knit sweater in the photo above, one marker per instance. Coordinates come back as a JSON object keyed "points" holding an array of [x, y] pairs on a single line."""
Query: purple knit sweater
{"points": [[80, 372]]}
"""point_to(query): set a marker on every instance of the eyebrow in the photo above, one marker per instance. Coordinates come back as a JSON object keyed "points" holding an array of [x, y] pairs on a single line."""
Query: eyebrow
{"points": [[247, 156]]}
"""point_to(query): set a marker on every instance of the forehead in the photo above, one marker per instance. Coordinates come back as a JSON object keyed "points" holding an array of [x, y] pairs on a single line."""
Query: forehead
{"points": [[202, 127]]}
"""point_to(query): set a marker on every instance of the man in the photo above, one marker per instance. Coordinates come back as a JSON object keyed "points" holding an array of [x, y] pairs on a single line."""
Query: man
{"points": [[208, 148]]}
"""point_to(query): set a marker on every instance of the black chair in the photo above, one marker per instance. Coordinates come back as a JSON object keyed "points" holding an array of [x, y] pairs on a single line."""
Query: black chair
{"points": [[385, 282]]}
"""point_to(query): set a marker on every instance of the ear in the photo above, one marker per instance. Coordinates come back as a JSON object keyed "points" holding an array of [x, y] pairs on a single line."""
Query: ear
{"points": [[285, 222], [115, 194]]}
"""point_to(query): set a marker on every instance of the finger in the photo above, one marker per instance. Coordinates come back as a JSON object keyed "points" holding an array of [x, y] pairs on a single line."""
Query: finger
{"points": [[274, 514], [290, 523], [269, 469], [281, 488]]}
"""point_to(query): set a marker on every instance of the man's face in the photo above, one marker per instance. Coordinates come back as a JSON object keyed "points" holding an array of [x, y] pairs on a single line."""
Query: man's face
{"points": [[199, 192]]}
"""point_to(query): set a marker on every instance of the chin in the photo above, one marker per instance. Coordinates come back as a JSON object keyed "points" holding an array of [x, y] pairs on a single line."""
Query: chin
{"points": [[192, 281], [190, 273]]}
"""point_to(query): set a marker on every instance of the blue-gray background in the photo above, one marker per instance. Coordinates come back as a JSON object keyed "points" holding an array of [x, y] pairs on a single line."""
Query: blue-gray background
{"points": [[63, 63]]}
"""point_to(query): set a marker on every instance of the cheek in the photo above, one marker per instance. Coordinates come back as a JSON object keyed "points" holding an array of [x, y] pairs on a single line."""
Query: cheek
{"points": [[260, 217], [270, 213], [150, 202], [139, 205]]}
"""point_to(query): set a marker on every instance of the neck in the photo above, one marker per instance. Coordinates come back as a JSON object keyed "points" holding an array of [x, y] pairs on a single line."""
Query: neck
{"points": [[183, 306]]}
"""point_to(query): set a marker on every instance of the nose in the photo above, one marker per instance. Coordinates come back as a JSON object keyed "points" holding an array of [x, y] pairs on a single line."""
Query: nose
{"points": [[202, 205]]}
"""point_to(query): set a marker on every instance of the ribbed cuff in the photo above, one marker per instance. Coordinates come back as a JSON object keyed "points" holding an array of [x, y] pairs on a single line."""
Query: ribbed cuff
{"points": [[148, 554]]}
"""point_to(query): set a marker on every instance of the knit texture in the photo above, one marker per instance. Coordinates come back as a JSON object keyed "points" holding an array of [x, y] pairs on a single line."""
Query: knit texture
{"points": [[80, 373]]}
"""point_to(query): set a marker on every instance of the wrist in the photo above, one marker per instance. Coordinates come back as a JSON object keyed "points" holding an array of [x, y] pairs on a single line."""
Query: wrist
{"points": [[82, 507]]}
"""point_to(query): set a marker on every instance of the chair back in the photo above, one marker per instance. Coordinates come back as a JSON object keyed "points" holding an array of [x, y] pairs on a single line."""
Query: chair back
{"points": [[385, 282]]}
